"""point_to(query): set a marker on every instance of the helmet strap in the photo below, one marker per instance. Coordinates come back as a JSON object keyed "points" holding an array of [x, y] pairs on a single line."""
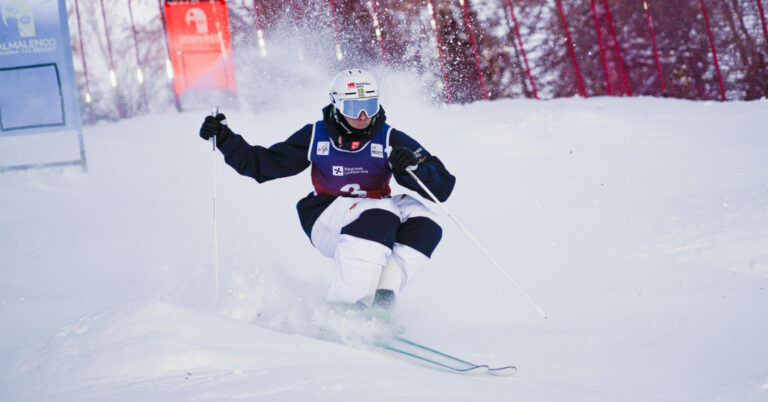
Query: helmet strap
{"points": [[342, 123]]}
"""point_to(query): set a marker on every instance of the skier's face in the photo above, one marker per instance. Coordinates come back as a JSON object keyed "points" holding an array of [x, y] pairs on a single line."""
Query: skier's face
{"points": [[362, 121]]}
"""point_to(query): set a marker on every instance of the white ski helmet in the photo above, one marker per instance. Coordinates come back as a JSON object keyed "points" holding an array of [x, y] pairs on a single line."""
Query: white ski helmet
{"points": [[354, 91]]}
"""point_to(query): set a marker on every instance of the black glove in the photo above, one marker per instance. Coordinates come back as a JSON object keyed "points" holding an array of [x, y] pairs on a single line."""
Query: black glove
{"points": [[215, 126], [401, 158]]}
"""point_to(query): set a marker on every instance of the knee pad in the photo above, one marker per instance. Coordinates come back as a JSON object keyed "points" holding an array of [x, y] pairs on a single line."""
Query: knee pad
{"points": [[377, 225], [421, 234]]}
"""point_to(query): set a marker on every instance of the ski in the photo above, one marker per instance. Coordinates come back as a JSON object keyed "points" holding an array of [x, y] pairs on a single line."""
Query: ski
{"points": [[415, 350], [354, 328]]}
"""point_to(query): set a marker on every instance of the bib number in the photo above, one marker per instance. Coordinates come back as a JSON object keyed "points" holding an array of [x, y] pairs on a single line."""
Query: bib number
{"points": [[355, 190]]}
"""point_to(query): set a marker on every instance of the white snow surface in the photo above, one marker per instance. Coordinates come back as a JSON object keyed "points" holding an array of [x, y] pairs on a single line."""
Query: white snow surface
{"points": [[639, 225]]}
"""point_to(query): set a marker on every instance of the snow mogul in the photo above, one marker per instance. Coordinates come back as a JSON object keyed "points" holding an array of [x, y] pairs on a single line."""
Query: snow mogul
{"points": [[378, 242]]}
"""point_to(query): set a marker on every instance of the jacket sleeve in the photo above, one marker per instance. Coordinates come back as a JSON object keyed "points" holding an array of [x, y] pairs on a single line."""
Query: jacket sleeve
{"points": [[283, 159], [430, 171]]}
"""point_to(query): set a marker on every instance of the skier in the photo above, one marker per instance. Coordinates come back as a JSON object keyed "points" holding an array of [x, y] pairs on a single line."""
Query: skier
{"points": [[378, 242]]}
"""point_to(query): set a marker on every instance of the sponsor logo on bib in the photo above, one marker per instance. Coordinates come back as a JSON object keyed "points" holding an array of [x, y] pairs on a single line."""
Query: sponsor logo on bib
{"points": [[323, 147], [377, 150]]}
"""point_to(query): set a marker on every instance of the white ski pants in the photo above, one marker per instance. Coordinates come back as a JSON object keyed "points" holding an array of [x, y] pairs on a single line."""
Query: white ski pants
{"points": [[362, 265]]}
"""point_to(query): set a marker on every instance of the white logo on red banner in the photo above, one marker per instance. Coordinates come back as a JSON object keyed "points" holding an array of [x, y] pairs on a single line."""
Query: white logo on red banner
{"points": [[197, 17]]}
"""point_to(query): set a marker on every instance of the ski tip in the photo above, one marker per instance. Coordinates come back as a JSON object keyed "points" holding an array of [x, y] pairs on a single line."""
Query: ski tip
{"points": [[478, 370], [503, 371]]}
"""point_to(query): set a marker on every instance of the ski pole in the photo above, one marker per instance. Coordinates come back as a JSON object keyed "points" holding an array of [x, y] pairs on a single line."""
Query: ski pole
{"points": [[214, 112], [493, 260]]}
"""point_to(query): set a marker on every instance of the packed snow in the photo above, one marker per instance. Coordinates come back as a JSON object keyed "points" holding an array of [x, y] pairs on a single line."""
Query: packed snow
{"points": [[639, 225]]}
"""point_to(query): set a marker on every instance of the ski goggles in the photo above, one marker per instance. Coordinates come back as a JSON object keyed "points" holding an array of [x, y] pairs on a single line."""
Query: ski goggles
{"points": [[353, 107]]}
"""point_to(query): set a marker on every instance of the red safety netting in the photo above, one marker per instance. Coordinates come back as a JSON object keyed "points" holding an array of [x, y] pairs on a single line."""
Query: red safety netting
{"points": [[464, 50]]}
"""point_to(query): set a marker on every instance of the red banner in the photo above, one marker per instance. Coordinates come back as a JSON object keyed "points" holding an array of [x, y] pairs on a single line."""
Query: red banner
{"points": [[200, 46]]}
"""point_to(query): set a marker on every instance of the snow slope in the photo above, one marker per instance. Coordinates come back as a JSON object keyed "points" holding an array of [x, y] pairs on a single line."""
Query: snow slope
{"points": [[639, 225]]}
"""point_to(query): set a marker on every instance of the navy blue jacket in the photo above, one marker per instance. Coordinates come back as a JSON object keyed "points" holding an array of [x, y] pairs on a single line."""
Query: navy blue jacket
{"points": [[289, 158]]}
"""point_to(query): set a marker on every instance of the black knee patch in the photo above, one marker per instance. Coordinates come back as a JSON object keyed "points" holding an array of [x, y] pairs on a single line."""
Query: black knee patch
{"points": [[421, 234], [377, 225]]}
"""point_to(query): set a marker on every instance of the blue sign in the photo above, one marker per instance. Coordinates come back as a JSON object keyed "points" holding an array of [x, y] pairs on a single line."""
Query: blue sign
{"points": [[38, 91]]}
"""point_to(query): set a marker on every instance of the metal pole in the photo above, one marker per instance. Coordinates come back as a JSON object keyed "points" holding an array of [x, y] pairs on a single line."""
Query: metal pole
{"points": [[139, 71], [714, 50], [259, 30], [168, 66], [88, 98], [647, 7], [112, 73], [580, 80], [377, 28], [214, 113], [339, 53], [467, 21], [616, 47], [522, 50], [602, 48], [433, 23], [762, 19], [298, 31]]}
